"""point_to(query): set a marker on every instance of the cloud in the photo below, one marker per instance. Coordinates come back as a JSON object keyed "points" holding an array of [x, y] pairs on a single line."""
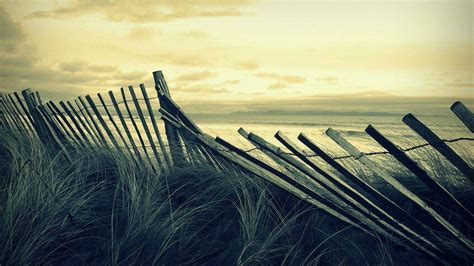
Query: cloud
{"points": [[183, 60], [201, 89], [328, 80], [196, 76], [139, 11], [11, 32], [231, 82], [20, 68], [281, 81], [81, 66], [277, 86], [195, 34], [282, 78], [247, 65], [461, 84], [142, 33]]}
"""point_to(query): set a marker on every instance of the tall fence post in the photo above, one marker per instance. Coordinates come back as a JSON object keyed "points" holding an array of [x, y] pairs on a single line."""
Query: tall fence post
{"points": [[172, 135]]}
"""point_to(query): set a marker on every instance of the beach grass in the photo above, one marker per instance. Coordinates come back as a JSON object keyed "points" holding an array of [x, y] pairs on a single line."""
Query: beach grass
{"points": [[102, 208]]}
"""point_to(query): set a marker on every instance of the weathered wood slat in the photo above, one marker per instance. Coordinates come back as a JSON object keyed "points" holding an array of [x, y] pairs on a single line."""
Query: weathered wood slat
{"points": [[21, 127], [27, 113], [117, 129], [49, 128], [452, 203], [155, 125], [439, 145], [84, 115], [23, 119], [64, 128], [37, 98], [13, 118], [52, 125], [103, 123], [203, 150], [125, 126], [38, 123], [72, 117], [253, 165], [95, 127], [84, 121], [464, 114], [135, 126], [287, 183], [8, 119], [372, 193], [174, 144], [339, 192], [4, 125], [358, 155], [145, 127], [386, 219]]}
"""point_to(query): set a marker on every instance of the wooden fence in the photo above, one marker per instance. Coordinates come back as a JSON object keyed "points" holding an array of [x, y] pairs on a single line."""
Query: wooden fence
{"points": [[126, 124]]}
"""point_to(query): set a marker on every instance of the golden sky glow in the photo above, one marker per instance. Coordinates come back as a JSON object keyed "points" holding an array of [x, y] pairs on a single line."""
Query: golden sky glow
{"points": [[239, 50]]}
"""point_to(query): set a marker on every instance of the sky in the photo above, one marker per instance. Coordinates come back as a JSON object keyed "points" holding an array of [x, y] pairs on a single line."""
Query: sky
{"points": [[230, 51]]}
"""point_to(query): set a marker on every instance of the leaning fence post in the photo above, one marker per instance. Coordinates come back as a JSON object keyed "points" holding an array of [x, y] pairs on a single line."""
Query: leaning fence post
{"points": [[339, 191], [409, 163], [361, 157], [284, 181], [373, 193], [439, 145], [464, 114]]}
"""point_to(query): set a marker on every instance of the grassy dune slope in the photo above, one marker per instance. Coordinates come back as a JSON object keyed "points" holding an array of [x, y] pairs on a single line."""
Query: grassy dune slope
{"points": [[102, 209]]}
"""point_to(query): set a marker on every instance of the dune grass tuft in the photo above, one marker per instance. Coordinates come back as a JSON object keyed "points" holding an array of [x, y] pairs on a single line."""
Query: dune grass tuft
{"points": [[103, 209]]}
